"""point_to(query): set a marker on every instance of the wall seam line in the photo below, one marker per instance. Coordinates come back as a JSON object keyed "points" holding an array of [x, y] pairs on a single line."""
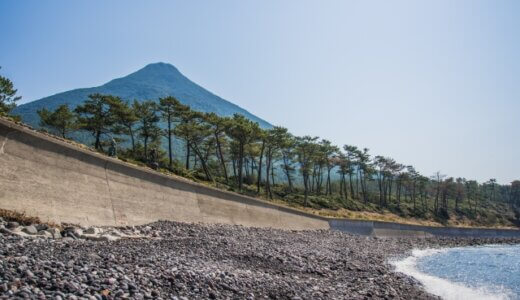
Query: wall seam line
{"points": [[110, 195], [2, 151]]}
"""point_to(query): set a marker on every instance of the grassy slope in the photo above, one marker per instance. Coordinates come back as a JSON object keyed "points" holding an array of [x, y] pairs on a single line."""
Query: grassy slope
{"points": [[493, 215]]}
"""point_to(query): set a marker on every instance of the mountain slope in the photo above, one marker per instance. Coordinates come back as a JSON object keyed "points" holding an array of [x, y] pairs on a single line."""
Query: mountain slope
{"points": [[151, 82]]}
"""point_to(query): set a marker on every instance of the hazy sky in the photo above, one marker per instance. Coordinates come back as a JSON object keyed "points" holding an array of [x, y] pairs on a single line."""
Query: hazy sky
{"points": [[433, 83]]}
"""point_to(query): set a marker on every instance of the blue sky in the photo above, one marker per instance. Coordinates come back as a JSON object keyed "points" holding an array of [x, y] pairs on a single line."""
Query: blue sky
{"points": [[435, 84]]}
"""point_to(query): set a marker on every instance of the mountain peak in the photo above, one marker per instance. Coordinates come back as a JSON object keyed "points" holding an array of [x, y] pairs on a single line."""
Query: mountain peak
{"points": [[159, 67], [152, 82]]}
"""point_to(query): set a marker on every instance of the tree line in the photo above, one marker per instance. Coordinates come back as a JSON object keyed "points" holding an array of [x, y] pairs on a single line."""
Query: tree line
{"points": [[236, 152]]}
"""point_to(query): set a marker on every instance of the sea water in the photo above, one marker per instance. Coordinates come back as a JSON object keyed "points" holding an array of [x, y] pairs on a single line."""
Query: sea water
{"points": [[482, 272]]}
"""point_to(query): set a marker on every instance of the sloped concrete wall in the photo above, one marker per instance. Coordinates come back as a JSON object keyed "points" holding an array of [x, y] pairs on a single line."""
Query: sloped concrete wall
{"points": [[58, 182], [62, 183], [389, 229]]}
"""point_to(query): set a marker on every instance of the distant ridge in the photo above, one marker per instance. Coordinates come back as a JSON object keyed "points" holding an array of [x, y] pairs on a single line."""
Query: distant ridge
{"points": [[149, 83]]}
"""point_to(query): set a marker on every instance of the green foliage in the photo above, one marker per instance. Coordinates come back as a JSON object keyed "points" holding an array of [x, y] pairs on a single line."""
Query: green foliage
{"points": [[97, 116], [154, 81], [148, 128], [8, 96], [236, 154], [125, 119], [62, 120]]}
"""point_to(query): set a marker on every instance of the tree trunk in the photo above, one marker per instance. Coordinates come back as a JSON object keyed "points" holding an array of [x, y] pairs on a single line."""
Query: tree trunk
{"points": [[272, 170], [233, 162], [259, 179], [341, 186], [328, 187], [351, 185], [202, 162], [240, 165], [170, 158], [306, 188], [287, 172], [97, 145], [187, 155], [398, 196], [267, 170], [146, 148], [132, 138], [221, 158]]}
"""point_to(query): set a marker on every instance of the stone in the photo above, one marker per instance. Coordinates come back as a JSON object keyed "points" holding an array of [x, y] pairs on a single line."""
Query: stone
{"points": [[12, 225], [55, 232], [77, 232], [41, 227], [5, 230], [45, 233], [201, 261], [116, 233], [108, 238], [93, 230], [30, 229]]}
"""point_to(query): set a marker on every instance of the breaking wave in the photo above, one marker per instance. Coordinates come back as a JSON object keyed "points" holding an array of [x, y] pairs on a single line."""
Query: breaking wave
{"points": [[444, 288]]}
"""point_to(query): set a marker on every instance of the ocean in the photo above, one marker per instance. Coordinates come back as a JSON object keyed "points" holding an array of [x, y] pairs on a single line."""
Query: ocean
{"points": [[480, 272]]}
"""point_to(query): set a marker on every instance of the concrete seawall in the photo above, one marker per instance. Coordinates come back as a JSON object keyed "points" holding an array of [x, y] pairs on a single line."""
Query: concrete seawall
{"points": [[62, 183], [59, 182], [389, 229]]}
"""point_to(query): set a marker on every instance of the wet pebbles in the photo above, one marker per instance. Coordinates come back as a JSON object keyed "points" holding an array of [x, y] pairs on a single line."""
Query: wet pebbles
{"points": [[173, 260]]}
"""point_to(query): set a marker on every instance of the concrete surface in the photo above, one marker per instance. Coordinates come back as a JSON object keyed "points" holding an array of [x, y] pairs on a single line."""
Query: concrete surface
{"points": [[62, 183], [389, 229], [56, 181]]}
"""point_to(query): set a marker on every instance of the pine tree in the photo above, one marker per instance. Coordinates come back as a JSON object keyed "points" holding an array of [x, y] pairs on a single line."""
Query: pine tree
{"points": [[62, 120], [96, 116], [149, 131], [8, 96]]}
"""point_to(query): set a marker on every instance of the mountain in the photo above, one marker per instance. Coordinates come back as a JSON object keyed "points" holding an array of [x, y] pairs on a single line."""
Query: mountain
{"points": [[149, 83]]}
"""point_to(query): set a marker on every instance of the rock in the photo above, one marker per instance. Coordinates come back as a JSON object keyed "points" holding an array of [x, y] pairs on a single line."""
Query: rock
{"points": [[93, 230], [111, 280], [12, 225], [100, 238], [30, 229], [116, 233], [197, 261], [55, 233], [41, 227], [76, 232], [45, 233], [5, 230], [70, 235], [108, 238]]}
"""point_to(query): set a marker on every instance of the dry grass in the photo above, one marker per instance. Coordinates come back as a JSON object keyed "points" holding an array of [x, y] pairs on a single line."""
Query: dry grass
{"points": [[387, 217], [23, 219], [329, 213]]}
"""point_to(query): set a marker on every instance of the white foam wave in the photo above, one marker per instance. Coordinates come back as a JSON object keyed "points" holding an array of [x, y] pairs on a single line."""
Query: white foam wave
{"points": [[441, 287]]}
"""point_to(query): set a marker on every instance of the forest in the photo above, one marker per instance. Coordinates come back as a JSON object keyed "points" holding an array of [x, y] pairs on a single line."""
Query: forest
{"points": [[304, 172]]}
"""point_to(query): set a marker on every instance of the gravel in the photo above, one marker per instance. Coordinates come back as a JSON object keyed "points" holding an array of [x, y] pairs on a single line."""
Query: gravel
{"points": [[171, 260]]}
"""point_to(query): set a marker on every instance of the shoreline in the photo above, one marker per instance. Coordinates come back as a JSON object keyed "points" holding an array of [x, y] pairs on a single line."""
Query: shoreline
{"points": [[200, 261], [446, 288]]}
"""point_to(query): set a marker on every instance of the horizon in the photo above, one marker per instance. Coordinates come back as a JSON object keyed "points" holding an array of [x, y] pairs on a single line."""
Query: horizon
{"points": [[383, 81]]}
